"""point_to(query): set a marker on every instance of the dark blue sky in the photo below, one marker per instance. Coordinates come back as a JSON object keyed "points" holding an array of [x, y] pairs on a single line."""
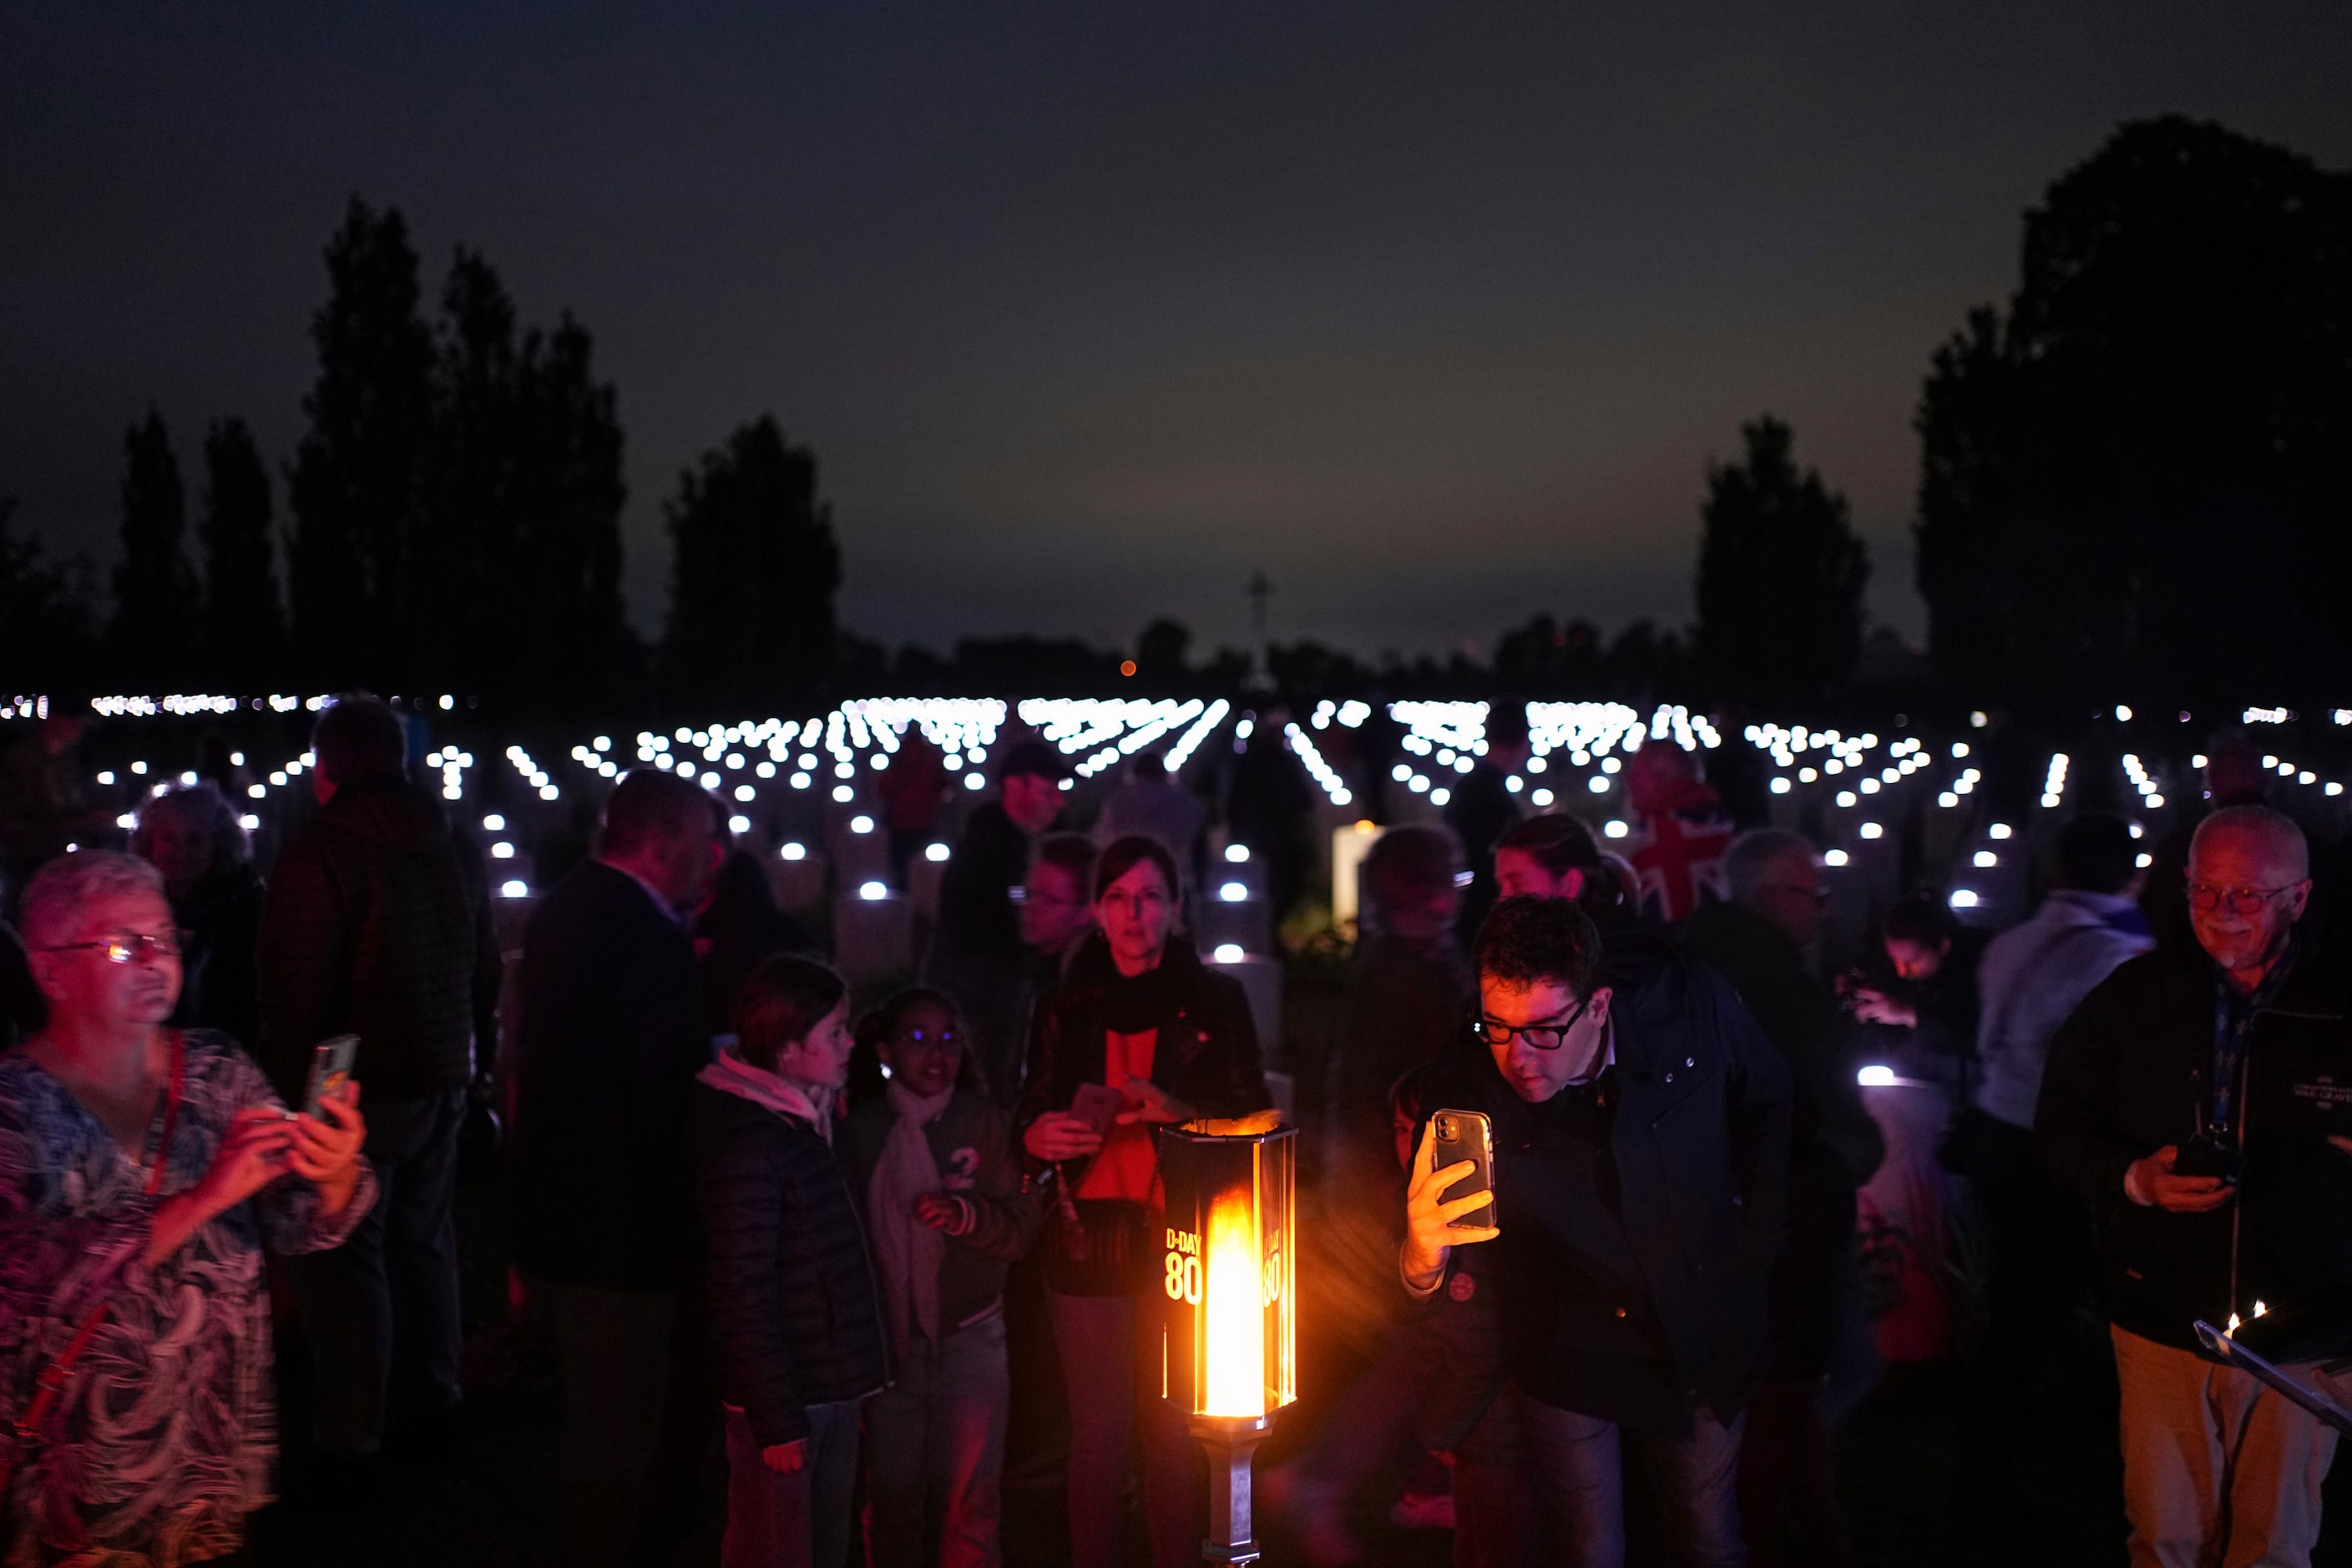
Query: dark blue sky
{"points": [[1437, 313]]}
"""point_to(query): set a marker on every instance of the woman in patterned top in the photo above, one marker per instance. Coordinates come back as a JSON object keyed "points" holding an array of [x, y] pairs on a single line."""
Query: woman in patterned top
{"points": [[141, 1173]]}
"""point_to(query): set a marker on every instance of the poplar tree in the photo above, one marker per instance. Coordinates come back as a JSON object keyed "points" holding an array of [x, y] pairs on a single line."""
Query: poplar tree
{"points": [[244, 635], [152, 635]]}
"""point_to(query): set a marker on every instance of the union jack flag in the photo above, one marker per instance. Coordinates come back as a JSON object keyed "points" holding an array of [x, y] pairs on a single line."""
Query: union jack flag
{"points": [[1679, 857]]}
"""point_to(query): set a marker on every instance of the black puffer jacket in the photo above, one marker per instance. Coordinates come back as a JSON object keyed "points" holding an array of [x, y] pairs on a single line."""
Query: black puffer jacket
{"points": [[1206, 1054], [791, 1288], [377, 922]]}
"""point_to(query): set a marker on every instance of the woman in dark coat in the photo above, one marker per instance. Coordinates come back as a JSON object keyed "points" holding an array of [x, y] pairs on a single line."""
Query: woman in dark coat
{"points": [[791, 1285], [1136, 1013]]}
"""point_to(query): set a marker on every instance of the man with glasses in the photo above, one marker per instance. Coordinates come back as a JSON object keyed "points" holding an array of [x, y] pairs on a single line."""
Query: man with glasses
{"points": [[1760, 941], [1640, 1126], [2198, 1100]]}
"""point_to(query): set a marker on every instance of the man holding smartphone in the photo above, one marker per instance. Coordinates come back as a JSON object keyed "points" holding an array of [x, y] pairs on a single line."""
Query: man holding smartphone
{"points": [[2197, 1100], [1640, 1128]]}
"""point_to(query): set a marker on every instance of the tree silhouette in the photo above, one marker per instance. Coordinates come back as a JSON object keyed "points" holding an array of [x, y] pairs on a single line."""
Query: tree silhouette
{"points": [[523, 511], [243, 632], [156, 599], [44, 618], [754, 569], [1781, 576], [1548, 657], [356, 485], [470, 523], [2133, 480]]}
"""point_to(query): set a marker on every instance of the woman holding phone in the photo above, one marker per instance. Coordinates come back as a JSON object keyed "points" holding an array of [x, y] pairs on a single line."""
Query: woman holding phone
{"points": [[1137, 1016], [142, 1173]]}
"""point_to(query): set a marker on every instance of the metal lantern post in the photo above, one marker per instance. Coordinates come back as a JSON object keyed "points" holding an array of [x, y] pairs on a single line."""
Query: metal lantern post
{"points": [[1229, 1355]]}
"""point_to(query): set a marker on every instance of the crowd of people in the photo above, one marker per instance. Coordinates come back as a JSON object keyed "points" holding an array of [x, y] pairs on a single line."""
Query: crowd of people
{"points": [[883, 1258]]}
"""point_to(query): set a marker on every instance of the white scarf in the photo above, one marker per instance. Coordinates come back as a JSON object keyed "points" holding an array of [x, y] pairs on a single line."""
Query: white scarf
{"points": [[730, 1074], [908, 1251]]}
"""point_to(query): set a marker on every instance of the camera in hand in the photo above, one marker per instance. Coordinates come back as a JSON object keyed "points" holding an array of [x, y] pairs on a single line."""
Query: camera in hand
{"points": [[2208, 1155]]}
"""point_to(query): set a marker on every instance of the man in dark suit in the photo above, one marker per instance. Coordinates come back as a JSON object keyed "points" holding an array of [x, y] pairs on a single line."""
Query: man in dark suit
{"points": [[377, 923], [601, 1214]]}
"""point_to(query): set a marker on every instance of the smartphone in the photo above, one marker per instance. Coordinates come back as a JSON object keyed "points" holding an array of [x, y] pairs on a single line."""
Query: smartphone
{"points": [[1099, 1105], [330, 1070], [1466, 1135]]}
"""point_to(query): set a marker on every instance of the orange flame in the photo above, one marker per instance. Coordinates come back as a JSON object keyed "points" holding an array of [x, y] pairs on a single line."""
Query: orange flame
{"points": [[1233, 1312]]}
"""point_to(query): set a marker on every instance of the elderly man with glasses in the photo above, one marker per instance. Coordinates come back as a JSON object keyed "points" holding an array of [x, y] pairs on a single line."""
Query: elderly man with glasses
{"points": [[2199, 1100], [1639, 1132]]}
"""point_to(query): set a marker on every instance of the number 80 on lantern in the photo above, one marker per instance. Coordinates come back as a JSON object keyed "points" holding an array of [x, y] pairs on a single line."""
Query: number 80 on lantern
{"points": [[1184, 1281]]}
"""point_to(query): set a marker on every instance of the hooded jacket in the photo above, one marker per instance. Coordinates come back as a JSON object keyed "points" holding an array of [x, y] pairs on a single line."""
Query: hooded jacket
{"points": [[1630, 1279], [377, 922], [2128, 1074]]}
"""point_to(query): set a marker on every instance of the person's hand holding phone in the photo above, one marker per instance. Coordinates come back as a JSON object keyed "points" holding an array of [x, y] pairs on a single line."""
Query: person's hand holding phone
{"points": [[1874, 1006], [250, 1155], [1430, 1234], [326, 1147], [1058, 1135], [2151, 1181]]}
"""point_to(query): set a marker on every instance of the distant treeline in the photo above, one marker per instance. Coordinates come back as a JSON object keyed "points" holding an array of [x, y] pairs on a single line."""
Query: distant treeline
{"points": [[2134, 486]]}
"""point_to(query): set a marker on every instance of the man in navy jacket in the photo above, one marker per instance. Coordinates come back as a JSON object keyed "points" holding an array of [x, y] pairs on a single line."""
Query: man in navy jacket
{"points": [[600, 1204], [1641, 1133]]}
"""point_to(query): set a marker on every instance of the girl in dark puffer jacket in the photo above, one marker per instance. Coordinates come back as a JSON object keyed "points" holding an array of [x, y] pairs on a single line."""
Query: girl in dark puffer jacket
{"points": [[792, 1284]]}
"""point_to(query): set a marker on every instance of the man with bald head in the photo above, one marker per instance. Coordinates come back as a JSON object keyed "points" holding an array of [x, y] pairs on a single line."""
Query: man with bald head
{"points": [[2198, 1098]]}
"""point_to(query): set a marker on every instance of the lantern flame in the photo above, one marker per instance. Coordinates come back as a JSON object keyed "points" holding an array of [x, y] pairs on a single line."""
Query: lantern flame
{"points": [[1233, 1312]]}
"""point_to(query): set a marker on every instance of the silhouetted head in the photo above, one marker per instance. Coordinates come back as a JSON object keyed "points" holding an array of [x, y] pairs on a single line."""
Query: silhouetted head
{"points": [[666, 828], [358, 738], [1029, 781], [1057, 899], [2234, 773], [1658, 774], [1777, 874], [1410, 883], [2097, 854], [190, 834]]}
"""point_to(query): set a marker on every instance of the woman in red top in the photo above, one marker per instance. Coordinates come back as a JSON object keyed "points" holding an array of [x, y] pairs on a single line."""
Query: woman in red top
{"points": [[1139, 1015]]}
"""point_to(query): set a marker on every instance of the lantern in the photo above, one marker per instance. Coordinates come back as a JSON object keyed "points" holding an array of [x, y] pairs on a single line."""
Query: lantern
{"points": [[1229, 1356]]}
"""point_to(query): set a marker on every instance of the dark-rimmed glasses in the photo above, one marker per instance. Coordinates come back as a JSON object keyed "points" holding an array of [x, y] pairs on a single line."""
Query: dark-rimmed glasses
{"points": [[1542, 1037]]}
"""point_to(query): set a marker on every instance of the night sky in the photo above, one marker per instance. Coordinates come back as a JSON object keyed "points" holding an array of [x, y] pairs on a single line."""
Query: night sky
{"points": [[1435, 313]]}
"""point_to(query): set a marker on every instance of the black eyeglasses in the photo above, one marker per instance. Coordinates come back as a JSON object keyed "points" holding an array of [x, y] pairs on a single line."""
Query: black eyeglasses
{"points": [[126, 948], [918, 1039], [1542, 1037]]}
